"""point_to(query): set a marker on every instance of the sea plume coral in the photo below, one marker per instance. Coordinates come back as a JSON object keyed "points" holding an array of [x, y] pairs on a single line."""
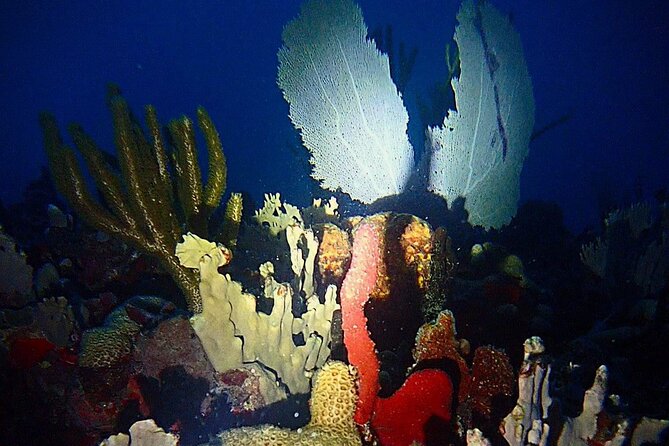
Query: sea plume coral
{"points": [[150, 196]]}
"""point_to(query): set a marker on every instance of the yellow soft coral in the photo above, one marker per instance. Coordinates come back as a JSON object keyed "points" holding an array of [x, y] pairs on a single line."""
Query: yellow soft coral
{"points": [[332, 405]]}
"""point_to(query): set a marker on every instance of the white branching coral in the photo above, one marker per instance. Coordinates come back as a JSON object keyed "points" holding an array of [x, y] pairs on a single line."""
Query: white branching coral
{"points": [[344, 102], [478, 152]]}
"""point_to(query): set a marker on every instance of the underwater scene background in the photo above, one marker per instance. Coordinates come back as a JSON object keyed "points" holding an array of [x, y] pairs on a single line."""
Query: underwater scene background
{"points": [[336, 223]]}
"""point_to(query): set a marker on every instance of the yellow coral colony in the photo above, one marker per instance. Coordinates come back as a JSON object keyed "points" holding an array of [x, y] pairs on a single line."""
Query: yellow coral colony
{"points": [[277, 216], [233, 333], [332, 405]]}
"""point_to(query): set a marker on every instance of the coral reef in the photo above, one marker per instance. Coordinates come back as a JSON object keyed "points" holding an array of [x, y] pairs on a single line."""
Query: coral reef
{"points": [[100, 350]]}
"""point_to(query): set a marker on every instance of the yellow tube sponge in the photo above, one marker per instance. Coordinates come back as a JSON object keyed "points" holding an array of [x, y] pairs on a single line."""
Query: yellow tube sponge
{"points": [[332, 405]]}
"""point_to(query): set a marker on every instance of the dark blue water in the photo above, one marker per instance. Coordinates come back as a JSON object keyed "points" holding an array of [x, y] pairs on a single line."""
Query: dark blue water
{"points": [[600, 65]]}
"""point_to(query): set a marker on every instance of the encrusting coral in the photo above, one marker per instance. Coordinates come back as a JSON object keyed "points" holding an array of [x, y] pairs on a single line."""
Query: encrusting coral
{"points": [[104, 346], [148, 200], [332, 405]]}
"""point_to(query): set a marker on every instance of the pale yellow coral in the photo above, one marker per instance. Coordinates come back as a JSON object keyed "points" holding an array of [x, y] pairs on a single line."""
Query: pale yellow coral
{"points": [[193, 248], [266, 270], [143, 433], [331, 206], [233, 333], [332, 405], [277, 216]]}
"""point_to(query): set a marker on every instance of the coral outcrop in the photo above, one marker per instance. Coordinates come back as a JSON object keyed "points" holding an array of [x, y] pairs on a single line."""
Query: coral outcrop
{"points": [[17, 275], [106, 345], [534, 422]]}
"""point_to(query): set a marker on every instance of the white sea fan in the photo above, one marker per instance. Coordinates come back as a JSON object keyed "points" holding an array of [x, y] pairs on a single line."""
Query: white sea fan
{"points": [[478, 152], [344, 102]]}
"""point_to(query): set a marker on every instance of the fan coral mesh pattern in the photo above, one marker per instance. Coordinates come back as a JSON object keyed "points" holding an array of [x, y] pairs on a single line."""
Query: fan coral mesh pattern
{"points": [[344, 102], [478, 152]]}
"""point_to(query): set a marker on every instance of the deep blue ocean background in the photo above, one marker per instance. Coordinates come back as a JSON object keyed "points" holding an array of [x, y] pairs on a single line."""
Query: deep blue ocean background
{"points": [[602, 63]]}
